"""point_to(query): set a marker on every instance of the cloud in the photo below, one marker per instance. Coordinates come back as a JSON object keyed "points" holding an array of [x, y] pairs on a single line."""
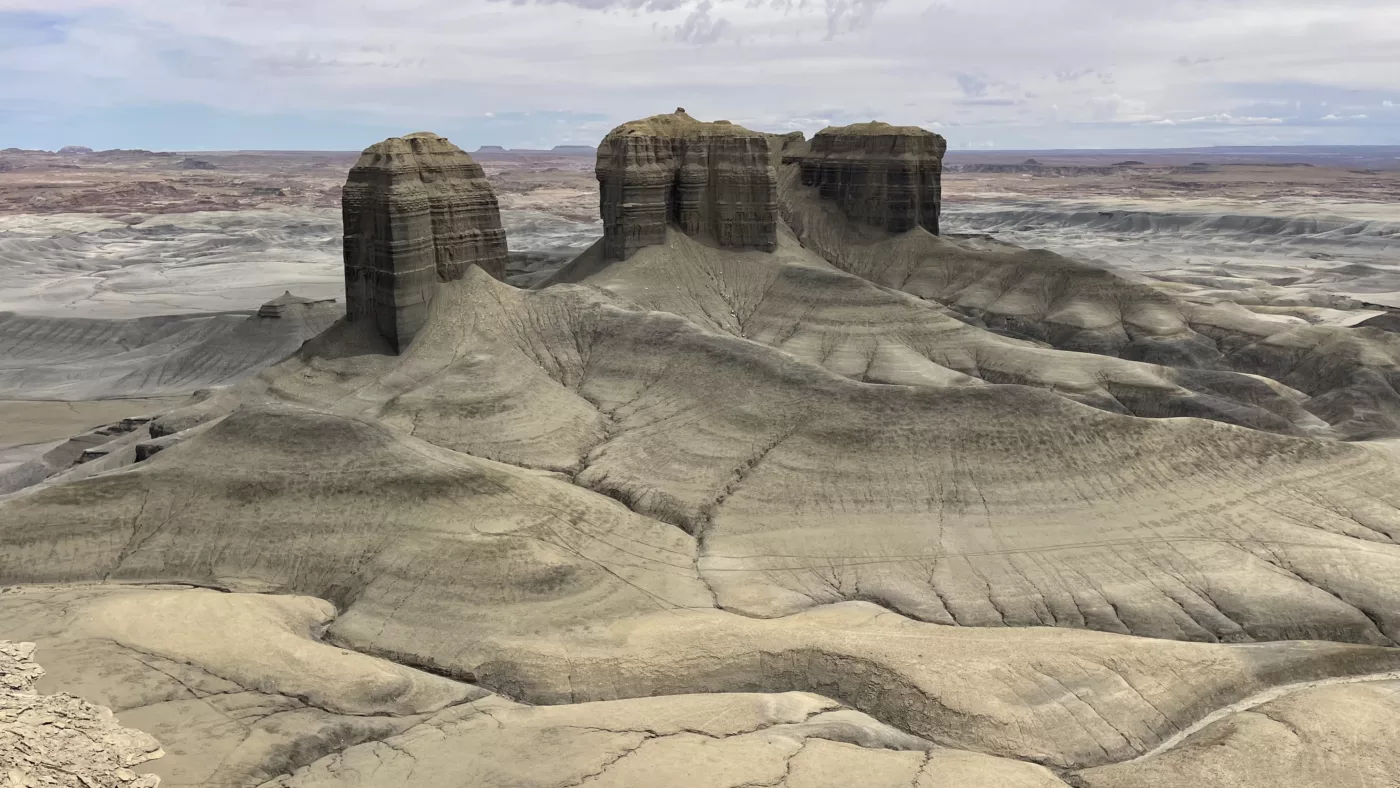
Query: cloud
{"points": [[1067, 75], [1025, 73], [1226, 119], [700, 28], [972, 86], [32, 29], [845, 16], [1116, 108]]}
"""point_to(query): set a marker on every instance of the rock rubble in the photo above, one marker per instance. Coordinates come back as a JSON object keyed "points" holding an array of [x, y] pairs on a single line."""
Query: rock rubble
{"points": [[59, 740]]}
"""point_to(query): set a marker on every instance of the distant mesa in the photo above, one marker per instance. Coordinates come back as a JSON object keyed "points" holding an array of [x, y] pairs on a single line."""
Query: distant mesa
{"points": [[1032, 162], [74, 150], [197, 164], [1130, 164], [493, 152], [417, 211], [889, 177], [710, 180]]}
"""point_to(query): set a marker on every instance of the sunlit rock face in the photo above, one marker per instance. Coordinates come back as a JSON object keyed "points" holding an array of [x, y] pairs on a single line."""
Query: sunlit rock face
{"points": [[712, 180], [885, 176], [417, 211]]}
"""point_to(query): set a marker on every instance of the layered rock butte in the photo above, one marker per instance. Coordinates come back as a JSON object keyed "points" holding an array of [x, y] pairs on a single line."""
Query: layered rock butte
{"points": [[417, 211], [880, 175], [713, 180]]}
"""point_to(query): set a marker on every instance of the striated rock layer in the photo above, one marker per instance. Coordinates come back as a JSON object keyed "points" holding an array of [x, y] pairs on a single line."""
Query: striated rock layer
{"points": [[890, 177], [417, 211], [709, 179]]}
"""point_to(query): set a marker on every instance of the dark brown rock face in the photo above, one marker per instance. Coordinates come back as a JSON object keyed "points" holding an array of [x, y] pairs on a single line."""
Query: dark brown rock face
{"points": [[417, 211], [708, 179], [885, 176]]}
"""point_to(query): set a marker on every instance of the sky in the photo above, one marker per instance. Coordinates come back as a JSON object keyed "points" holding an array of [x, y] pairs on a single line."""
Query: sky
{"points": [[987, 74]]}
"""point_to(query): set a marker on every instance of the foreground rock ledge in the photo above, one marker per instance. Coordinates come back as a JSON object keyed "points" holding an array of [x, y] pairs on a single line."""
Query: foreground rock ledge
{"points": [[60, 740]]}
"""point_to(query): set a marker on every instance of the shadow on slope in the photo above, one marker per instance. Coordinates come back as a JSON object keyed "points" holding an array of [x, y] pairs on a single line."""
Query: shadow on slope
{"points": [[1047, 298]]}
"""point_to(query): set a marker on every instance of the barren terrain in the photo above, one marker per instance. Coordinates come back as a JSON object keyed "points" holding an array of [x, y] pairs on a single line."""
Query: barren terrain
{"points": [[1101, 487]]}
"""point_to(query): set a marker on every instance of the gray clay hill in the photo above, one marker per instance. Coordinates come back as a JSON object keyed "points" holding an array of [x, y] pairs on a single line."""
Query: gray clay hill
{"points": [[772, 486]]}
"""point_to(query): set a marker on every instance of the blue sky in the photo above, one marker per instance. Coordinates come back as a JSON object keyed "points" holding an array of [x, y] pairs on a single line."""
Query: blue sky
{"points": [[1010, 74]]}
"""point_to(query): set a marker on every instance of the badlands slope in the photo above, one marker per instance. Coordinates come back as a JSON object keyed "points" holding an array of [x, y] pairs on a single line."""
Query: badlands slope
{"points": [[756, 491]]}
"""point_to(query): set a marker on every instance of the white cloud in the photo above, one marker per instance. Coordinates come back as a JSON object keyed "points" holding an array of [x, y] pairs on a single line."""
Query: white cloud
{"points": [[1143, 72], [1226, 119]]}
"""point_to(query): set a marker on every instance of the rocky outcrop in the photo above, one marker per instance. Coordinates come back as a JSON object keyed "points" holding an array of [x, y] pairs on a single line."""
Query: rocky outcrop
{"points": [[711, 180], [288, 303], [417, 211], [61, 740], [884, 176]]}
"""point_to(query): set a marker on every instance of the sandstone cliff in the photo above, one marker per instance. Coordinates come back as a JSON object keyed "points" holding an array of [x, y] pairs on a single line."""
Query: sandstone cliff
{"points": [[881, 175], [417, 211], [709, 179]]}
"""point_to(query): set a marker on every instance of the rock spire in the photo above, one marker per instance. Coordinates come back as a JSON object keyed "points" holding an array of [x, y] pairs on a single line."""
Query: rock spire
{"points": [[890, 177], [713, 180], [417, 211]]}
